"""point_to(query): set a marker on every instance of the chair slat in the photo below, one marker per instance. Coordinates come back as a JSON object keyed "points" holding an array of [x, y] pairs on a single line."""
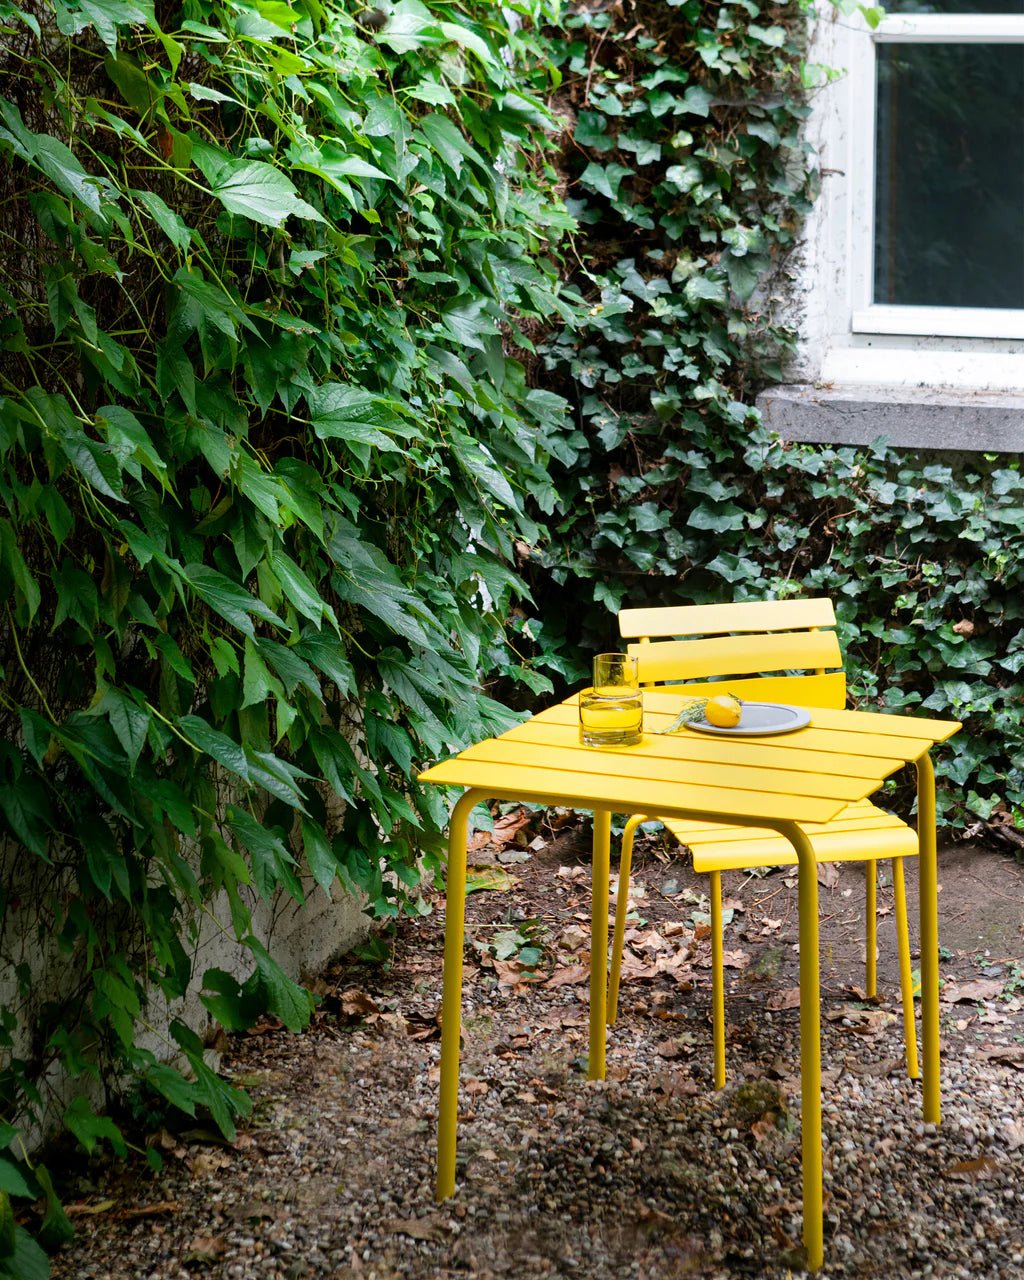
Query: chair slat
{"points": [[719, 619], [736, 655], [828, 690]]}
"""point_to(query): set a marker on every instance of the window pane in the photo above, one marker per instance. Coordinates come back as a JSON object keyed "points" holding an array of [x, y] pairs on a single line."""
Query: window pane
{"points": [[949, 175]]}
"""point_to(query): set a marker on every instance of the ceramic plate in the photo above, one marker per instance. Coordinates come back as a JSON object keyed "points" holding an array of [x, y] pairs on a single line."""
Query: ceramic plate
{"points": [[760, 719]]}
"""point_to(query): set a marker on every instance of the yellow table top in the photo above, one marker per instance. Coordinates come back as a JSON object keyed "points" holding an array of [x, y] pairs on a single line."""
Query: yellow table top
{"points": [[808, 775]]}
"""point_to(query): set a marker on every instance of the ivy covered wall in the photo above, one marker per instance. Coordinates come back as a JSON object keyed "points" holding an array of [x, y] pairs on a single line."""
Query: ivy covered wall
{"points": [[687, 167], [265, 439]]}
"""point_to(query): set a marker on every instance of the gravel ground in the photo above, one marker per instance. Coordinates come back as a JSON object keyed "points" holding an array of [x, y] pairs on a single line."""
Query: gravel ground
{"points": [[650, 1174]]}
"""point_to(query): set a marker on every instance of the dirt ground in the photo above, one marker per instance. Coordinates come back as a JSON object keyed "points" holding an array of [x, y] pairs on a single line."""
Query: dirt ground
{"points": [[653, 1175]]}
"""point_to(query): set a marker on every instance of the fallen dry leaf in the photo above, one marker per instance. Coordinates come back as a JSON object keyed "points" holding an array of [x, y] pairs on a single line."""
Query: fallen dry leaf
{"points": [[863, 1021], [1010, 1055], [635, 970], [828, 875], [648, 940], [672, 1049], [574, 937], [968, 1170], [879, 1070], [515, 974], [155, 1210], [205, 1249], [422, 1026], [81, 1209], [357, 1004], [573, 874], [860, 994], [673, 1084], [788, 999], [569, 976], [765, 1127], [980, 989], [508, 827], [416, 1228], [489, 879], [206, 1162]]}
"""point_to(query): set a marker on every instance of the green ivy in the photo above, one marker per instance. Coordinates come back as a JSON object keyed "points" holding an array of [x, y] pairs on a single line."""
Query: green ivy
{"points": [[264, 452], [689, 174]]}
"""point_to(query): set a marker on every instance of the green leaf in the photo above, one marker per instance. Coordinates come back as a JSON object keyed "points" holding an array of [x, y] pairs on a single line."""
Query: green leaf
{"points": [[447, 141], [228, 598], [258, 684], [469, 322], [696, 101], [704, 289], [173, 1086], [130, 442], [215, 744], [605, 179], [410, 26], [234, 1007], [107, 15], [290, 667], [21, 807], [341, 412], [54, 159], [271, 862], [129, 721], [167, 219], [90, 1129], [13, 1181], [327, 652], [252, 189], [774, 36], [299, 590], [319, 854], [765, 130], [27, 1262], [287, 1000], [55, 1229]]}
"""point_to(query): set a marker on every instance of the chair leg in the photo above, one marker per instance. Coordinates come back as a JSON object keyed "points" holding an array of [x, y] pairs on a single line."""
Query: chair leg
{"points": [[621, 905], [717, 980], [871, 930], [906, 977]]}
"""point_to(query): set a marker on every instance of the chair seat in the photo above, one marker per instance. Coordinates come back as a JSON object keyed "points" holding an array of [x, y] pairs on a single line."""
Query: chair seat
{"points": [[717, 847]]}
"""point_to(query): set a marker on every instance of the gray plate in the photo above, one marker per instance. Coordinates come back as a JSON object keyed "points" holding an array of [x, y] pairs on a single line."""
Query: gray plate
{"points": [[760, 719]]}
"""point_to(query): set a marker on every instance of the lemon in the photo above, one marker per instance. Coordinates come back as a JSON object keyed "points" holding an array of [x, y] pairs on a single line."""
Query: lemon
{"points": [[723, 711]]}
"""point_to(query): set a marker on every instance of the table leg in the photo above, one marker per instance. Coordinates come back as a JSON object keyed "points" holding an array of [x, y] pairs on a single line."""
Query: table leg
{"points": [[810, 1050], [928, 891], [601, 870], [451, 999]]}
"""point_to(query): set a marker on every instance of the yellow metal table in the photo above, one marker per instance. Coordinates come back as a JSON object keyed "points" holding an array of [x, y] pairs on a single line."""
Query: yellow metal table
{"points": [[778, 782]]}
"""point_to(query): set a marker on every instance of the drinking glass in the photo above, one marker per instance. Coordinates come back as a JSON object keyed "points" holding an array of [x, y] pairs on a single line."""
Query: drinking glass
{"points": [[611, 712]]}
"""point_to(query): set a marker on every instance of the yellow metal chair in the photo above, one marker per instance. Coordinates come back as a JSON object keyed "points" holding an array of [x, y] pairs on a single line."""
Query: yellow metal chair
{"points": [[741, 642]]}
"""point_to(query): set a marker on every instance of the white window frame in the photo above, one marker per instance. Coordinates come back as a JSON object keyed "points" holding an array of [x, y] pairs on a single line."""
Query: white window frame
{"points": [[830, 280], [869, 317]]}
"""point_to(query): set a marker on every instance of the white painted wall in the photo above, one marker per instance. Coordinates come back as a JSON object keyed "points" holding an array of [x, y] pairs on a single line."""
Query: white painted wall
{"points": [[302, 940]]}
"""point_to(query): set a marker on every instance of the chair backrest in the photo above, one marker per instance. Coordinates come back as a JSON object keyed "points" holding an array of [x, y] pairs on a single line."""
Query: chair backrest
{"points": [[764, 650]]}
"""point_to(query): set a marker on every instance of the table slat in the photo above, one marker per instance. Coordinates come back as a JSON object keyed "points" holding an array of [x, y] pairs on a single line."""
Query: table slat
{"points": [[627, 795], [633, 765], [765, 753]]}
